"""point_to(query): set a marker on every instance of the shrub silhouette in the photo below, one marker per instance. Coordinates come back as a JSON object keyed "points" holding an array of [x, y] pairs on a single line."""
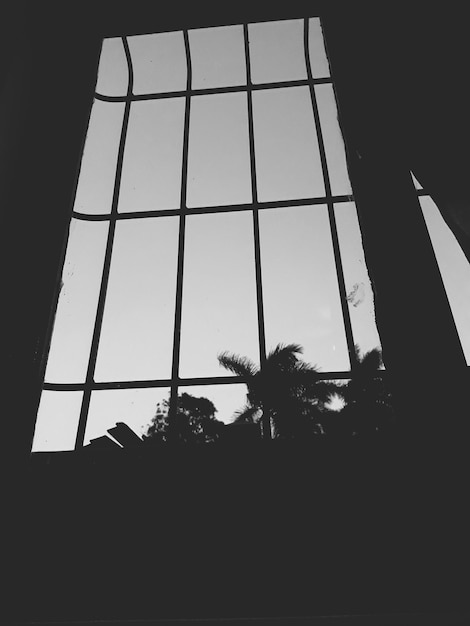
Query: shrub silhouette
{"points": [[195, 419]]}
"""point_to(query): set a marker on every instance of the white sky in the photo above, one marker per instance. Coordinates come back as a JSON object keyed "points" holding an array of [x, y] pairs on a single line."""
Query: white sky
{"points": [[301, 297]]}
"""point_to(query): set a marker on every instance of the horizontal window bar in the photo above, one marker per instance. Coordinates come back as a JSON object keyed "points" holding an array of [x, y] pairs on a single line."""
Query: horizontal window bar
{"points": [[213, 209], [182, 382], [213, 90]]}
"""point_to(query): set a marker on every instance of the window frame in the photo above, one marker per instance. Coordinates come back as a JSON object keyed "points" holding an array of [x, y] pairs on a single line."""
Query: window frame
{"points": [[176, 383], [85, 57]]}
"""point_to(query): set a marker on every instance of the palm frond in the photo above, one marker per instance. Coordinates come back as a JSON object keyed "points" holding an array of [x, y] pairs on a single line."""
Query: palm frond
{"points": [[304, 373], [371, 361], [289, 348], [303, 366], [246, 414], [283, 357], [238, 365]]}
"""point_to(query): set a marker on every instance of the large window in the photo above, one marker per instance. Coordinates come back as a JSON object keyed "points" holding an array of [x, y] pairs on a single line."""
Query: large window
{"points": [[213, 213]]}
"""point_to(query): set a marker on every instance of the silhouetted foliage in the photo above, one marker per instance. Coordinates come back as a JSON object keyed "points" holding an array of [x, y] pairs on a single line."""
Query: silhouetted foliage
{"points": [[195, 421], [291, 393], [286, 388], [367, 400], [299, 403]]}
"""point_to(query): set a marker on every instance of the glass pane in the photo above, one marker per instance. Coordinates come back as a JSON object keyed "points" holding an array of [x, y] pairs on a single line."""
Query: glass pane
{"points": [[454, 268], [277, 51], [358, 287], [333, 141], [288, 162], [415, 182], [76, 310], [217, 57], [227, 399], [159, 62], [133, 407], [219, 293], [137, 335], [57, 421], [98, 168], [318, 59], [219, 157], [112, 71], [151, 174], [300, 289]]}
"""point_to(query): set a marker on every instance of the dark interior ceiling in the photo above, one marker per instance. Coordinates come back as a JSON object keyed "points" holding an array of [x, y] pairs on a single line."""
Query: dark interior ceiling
{"points": [[376, 532]]}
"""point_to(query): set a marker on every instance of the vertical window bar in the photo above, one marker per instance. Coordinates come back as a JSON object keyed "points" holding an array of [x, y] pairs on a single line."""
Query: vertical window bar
{"points": [[182, 229], [254, 189], [107, 259], [329, 199]]}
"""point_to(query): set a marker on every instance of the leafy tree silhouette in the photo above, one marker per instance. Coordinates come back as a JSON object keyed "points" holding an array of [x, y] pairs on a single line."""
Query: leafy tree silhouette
{"points": [[367, 400], [286, 389], [195, 418]]}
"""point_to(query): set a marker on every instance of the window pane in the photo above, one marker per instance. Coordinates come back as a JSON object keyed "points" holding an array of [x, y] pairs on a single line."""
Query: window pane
{"points": [[112, 71], [318, 59], [159, 62], [76, 310], [416, 183], [98, 167], [219, 293], [454, 268], [219, 158], [227, 399], [151, 175], [134, 407], [137, 335], [358, 287], [333, 141], [288, 162], [300, 289], [277, 51], [57, 421], [217, 57]]}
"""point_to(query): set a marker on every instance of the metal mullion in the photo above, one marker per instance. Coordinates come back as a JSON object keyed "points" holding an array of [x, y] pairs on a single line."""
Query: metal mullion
{"points": [[331, 213], [181, 242], [207, 91], [256, 235], [263, 206], [223, 208], [107, 260], [183, 382], [147, 384]]}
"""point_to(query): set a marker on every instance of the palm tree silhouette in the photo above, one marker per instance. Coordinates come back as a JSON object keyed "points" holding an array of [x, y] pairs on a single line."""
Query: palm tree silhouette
{"points": [[286, 394]]}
